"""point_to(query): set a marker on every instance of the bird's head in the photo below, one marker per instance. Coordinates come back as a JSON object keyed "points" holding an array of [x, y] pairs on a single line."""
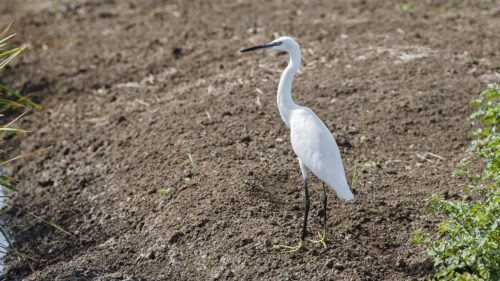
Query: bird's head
{"points": [[286, 44]]}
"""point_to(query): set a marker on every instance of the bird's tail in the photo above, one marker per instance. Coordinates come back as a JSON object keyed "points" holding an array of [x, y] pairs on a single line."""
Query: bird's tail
{"points": [[345, 194], [341, 188]]}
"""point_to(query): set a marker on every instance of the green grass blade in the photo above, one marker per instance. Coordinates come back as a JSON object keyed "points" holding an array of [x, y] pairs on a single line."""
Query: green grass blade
{"points": [[191, 160], [6, 29], [9, 186], [6, 53], [6, 101], [12, 56], [354, 177], [11, 130], [39, 218], [7, 38], [19, 96], [8, 241], [8, 178]]}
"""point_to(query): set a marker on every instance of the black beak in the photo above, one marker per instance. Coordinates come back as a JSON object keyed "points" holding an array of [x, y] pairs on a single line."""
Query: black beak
{"points": [[267, 45]]}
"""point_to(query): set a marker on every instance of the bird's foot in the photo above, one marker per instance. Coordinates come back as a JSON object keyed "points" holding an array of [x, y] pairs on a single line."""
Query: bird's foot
{"points": [[289, 249], [323, 240]]}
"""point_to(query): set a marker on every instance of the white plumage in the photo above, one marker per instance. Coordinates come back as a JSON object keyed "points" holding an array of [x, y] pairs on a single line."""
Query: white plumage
{"points": [[311, 140], [316, 148]]}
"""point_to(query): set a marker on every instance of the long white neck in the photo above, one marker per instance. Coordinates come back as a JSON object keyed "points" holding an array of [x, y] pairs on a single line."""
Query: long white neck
{"points": [[284, 97]]}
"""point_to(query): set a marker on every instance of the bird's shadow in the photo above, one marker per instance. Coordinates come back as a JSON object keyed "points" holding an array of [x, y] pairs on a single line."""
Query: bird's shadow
{"points": [[283, 188]]}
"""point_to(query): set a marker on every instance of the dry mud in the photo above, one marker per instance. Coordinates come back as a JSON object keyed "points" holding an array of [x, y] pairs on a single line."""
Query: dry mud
{"points": [[129, 87]]}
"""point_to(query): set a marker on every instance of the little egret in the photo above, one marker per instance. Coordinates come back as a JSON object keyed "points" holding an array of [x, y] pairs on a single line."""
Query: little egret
{"points": [[311, 140]]}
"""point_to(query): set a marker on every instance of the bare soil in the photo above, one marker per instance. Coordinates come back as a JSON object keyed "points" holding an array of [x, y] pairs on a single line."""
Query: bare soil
{"points": [[130, 87]]}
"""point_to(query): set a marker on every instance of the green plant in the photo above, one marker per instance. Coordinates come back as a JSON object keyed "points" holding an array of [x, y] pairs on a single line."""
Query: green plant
{"points": [[447, 6], [365, 120], [468, 245], [357, 172], [190, 159], [165, 191], [55, 6], [7, 54], [180, 5], [405, 7], [191, 162]]}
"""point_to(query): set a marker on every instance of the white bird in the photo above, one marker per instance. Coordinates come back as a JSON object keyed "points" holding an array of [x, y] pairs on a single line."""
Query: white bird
{"points": [[311, 140]]}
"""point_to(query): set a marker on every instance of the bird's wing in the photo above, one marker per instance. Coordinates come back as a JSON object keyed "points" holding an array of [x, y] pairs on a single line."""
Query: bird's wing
{"points": [[315, 146]]}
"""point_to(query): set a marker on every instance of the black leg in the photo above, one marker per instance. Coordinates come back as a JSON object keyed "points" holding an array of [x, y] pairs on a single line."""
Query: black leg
{"points": [[324, 206], [323, 240], [306, 211]]}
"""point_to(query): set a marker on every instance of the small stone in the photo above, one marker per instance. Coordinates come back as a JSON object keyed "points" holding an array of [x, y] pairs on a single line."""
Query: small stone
{"points": [[246, 139], [116, 275], [177, 52], [246, 241], [151, 255], [339, 266]]}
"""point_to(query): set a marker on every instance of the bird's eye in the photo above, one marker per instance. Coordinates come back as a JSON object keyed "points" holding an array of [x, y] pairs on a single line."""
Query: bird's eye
{"points": [[279, 43]]}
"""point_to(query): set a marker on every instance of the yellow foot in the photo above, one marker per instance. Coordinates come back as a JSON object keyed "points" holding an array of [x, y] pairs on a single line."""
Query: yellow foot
{"points": [[289, 249], [323, 240]]}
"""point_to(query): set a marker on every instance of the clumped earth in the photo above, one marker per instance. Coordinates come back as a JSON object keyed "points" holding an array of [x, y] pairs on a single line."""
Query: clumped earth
{"points": [[130, 87]]}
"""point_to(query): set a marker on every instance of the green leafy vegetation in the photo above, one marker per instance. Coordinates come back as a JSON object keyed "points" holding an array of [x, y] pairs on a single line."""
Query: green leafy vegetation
{"points": [[466, 246], [10, 99], [7, 54]]}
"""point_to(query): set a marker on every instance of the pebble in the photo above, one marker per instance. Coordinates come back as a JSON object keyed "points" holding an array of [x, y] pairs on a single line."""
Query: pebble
{"points": [[339, 266]]}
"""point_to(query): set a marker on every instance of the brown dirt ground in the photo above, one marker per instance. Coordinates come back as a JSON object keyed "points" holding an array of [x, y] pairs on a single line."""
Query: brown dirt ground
{"points": [[129, 87]]}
